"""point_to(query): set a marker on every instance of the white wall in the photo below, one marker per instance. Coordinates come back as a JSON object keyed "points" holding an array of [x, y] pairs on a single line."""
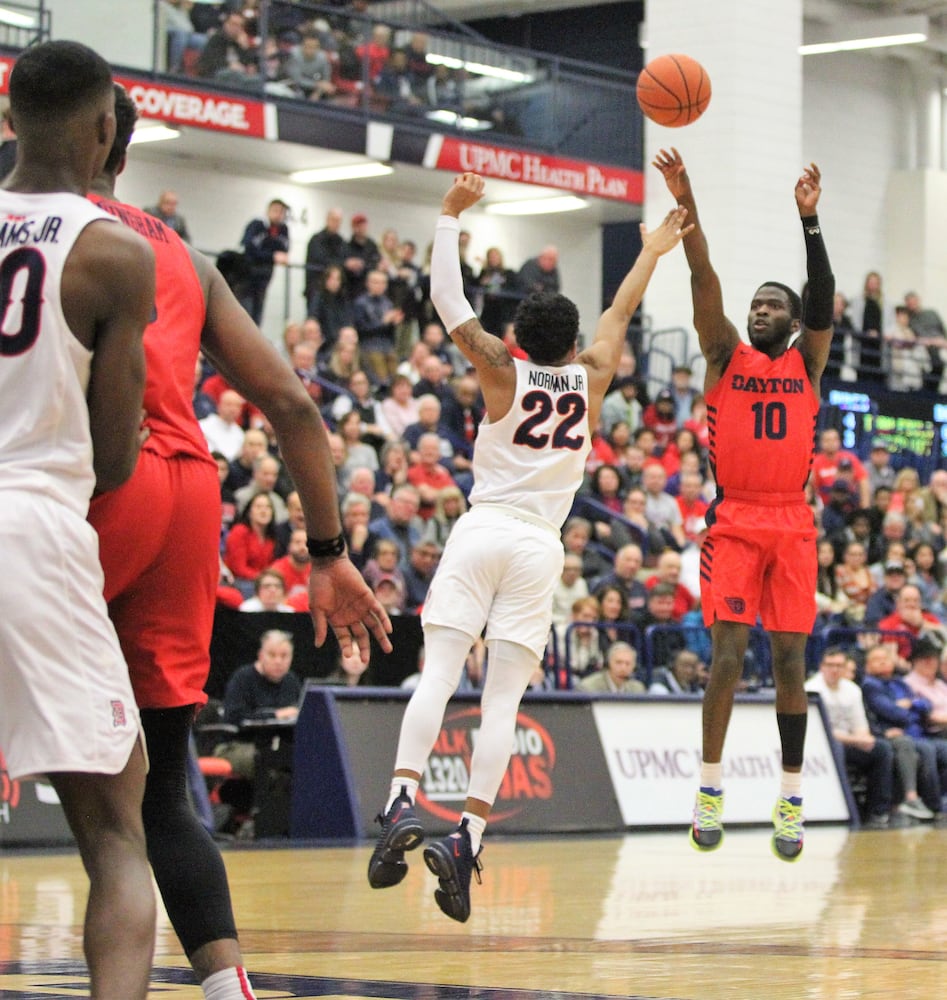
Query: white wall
{"points": [[218, 205]]}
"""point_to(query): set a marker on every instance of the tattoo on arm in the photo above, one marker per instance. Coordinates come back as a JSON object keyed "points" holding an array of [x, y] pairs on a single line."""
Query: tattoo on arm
{"points": [[472, 339]]}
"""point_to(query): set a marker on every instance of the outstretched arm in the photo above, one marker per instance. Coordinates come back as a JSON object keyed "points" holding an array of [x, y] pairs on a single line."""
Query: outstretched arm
{"points": [[601, 357], [339, 597], [488, 354], [718, 336], [816, 338]]}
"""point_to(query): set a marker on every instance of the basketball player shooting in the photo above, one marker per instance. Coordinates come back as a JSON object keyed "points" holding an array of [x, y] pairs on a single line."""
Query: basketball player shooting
{"points": [[759, 556], [504, 556]]}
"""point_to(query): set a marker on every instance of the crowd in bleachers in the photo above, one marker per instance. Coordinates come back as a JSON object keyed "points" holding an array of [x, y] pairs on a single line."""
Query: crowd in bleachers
{"points": [[338, 54]]}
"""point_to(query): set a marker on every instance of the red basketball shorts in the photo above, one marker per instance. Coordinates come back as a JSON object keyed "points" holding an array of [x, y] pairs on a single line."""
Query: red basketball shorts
{"points": [[759, 561], [159, 538]]}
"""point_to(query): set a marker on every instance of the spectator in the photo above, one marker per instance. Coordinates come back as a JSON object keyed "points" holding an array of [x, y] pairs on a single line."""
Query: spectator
{"points": [[7, 144], [909, 359], [576, 536], [264, 689], [668, 637], [448, 507], [570, 588], [395, 458], [540, 273], [394, 87], [295, 520], [399, 408], [661, 508], [933, 497], [418, 574], [416, 57], [661, 418], [681, 676], [240, 470], [693, 506], [883, 602], [390, 593], [361, 255], [358, 452], [499, 292], [906, 495], [929, 327], [251, 543], [265, 244], [641, 532], [435, 339], [697, 423], [855, 581], [825, 467], [326, 248], [167, 212], [222, 429], [428, 475], [624, 575], [455, 453], [617, 676], [359, 541], [377, 319], [266, 471], [375, 429], [578, 640], [682, 392], [880, 472], [925, 682], [309, 69], [928, 578], [831, 600], [896, 713], [442, 91], [433, 374], [229, 54], [401, 522], [910, 617], [462, 410], [295, 568], [621, 404], [862, 752], [375, 52], [668, 571], [269, 593]]}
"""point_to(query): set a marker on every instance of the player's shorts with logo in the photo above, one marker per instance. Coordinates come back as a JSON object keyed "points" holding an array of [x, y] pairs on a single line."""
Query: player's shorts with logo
{"points": [[160, 536], [759, 560], [499, 569], [66, 703]]}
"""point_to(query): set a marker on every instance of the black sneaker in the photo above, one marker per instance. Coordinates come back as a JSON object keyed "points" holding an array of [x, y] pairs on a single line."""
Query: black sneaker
{"points": [[451, 859], [401, 831]]}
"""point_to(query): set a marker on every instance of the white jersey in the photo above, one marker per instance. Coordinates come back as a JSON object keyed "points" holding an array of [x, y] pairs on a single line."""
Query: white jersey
{"points": [[533, 459], [45, 441]]}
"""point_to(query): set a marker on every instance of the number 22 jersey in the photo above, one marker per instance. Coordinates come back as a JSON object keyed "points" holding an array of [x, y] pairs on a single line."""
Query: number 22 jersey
{"points": [[762, 416], [533, 458]]}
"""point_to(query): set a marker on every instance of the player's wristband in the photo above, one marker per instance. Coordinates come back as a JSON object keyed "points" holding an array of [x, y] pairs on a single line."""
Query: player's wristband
{"points": [[819, 306], [328, 548]]}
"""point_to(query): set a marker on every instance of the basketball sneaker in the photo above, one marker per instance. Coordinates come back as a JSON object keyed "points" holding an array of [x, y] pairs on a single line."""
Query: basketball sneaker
{"points": [[707, 828], [452, 860], [787, 829], [401, 831]]}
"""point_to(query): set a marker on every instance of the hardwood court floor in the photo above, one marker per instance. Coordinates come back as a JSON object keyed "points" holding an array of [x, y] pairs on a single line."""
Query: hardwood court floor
{"points": [[861, 915]]}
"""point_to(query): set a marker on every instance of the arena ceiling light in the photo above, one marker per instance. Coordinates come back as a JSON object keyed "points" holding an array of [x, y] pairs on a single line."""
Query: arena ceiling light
{"points": [[537, 206], [877, 33], [480, 69], [153, 133], [16, 19], [347, 172]]}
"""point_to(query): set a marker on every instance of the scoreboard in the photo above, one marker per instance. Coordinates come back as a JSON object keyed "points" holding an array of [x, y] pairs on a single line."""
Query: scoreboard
{"points": [[913, 427]]}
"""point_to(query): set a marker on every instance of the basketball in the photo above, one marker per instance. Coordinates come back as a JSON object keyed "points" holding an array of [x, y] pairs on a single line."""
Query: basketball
{"points": [[673, 90]]}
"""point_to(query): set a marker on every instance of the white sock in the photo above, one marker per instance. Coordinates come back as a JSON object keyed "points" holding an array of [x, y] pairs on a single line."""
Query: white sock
{"points": [[228, 984], [711, 775], [791, 785], [475, 827], [408, 784]]}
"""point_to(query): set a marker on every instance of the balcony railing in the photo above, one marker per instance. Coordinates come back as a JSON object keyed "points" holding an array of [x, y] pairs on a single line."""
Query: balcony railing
{"points": [[463, 83]]}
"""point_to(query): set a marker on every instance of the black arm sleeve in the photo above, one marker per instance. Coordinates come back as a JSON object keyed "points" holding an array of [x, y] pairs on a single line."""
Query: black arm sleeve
{"points": [[820, 299]]}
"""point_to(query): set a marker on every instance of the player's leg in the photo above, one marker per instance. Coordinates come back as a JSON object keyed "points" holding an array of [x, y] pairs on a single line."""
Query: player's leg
{"points": [[454, 858], [789, 675], [445, 650], [104, 813]]}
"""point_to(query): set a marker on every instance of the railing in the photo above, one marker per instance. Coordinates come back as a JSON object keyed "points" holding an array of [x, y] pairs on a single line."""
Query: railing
{"points": [[528, 99], [24, 24]]}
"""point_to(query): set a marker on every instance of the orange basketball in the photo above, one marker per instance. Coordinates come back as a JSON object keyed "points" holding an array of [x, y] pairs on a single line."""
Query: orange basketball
{"points": [[673, 90]]}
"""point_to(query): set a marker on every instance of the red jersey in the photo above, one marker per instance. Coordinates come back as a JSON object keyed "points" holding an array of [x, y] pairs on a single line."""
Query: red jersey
{"points": [[825, 470], [762, 416], [172, 339]]}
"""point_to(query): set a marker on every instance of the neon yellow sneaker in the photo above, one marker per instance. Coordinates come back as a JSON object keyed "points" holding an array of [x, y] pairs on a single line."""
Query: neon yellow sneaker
{"points": [[707, 828], [788, 829]]}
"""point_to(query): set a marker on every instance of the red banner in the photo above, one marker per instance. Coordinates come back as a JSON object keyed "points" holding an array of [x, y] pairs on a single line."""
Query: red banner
{"points": [[186, 106], [577, 176]]}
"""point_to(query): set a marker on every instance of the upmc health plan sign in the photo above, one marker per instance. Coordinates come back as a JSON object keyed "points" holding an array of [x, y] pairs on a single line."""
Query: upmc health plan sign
{"points": [[652, 750]]}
